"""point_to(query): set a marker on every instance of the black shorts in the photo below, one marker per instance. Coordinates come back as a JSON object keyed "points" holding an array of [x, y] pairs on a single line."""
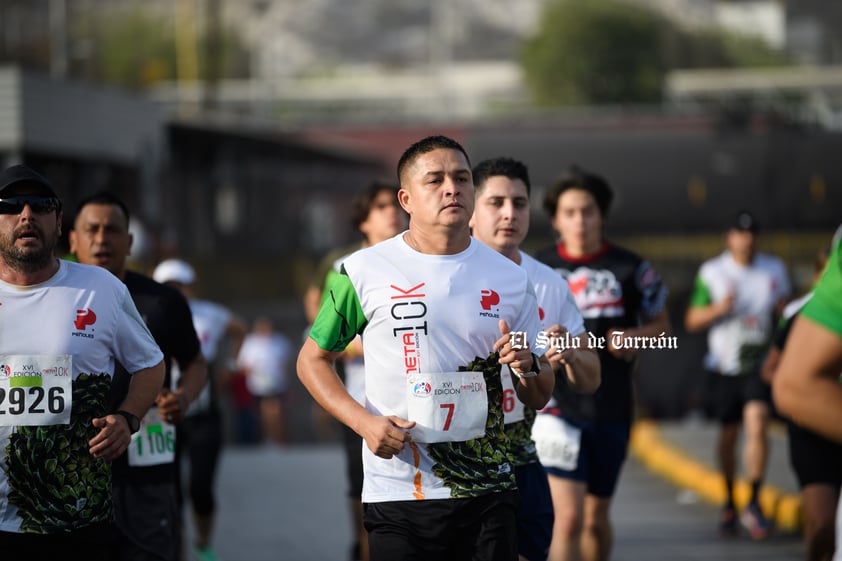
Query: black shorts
{"points": [[480, 528], [535, 516], [91, 543], [728, 395], [604, 446], [814, 458], [148, 516]]}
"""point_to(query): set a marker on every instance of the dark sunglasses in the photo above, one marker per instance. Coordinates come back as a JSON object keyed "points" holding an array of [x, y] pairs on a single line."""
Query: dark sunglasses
{"points": [[38, 204]]}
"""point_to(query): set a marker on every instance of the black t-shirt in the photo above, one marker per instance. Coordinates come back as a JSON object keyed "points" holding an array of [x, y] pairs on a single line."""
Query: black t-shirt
{"points": [[167, 315], [613, 288]]}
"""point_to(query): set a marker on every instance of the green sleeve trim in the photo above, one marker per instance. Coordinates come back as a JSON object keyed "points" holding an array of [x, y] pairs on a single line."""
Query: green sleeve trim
{"points": [[701, 294], [825, 307], [329, 279], [340, 317]]}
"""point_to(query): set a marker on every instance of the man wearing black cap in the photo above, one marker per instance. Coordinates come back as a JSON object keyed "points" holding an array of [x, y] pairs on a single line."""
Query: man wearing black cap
{"points": [[737, 298], [62, 327]]}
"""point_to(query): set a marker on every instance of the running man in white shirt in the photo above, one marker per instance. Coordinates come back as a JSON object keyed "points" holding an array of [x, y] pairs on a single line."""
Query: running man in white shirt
{"points": [[266, 358], [501, 221], [376, 213], [435, 309], [738, 297], [199, 435], [62, 327]]}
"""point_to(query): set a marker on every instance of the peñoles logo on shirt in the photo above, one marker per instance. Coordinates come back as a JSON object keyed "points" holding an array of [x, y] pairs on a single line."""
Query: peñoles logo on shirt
{"points": [[489, 298], [84, 318]]}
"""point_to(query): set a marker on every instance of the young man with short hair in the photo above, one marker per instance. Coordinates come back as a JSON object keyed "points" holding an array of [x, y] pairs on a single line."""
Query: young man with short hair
{"points": [[501, 221], [583, 440]]}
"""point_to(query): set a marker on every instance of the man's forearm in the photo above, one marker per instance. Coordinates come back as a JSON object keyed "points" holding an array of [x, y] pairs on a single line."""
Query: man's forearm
{"points": [[583, 371], [143, 389], [193, 379]]}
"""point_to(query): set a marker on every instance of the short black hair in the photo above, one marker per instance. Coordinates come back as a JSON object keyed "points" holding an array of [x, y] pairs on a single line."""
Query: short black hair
{"points": [[578, 178], [361, 203], [507, 167], [102, 198], [426, 145]]}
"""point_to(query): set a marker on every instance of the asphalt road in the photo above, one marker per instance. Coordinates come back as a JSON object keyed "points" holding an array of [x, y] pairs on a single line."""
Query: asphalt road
{"points": [[289, 504]]}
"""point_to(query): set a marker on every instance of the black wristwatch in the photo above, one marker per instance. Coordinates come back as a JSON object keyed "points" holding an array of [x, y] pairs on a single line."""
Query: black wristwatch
{"points": [[134, 422], [533, 371]]}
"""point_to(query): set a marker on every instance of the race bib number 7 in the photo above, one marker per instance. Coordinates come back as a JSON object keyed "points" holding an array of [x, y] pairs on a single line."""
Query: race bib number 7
{"points": [[447, 406], [35, 390]]}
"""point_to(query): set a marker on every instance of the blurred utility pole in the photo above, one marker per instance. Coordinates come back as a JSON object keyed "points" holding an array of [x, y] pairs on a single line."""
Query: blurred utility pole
{"points": [[187, 60], [58, 38], [213, 54], [442, 35]]}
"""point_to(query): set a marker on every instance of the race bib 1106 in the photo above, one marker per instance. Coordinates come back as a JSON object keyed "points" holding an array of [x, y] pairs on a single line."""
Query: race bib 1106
{"points": [[154, 443]]}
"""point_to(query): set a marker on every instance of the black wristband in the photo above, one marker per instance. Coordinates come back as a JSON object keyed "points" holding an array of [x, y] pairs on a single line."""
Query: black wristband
{"points": [[536, 364], [131, 419]]}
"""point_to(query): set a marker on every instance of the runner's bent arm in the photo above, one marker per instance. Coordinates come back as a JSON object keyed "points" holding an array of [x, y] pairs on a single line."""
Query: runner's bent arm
{"points": [[114, 435], [173, 405], [703, 311], [534, 391], [384, 436], [580, 364], [806, 384], [143, 388]]}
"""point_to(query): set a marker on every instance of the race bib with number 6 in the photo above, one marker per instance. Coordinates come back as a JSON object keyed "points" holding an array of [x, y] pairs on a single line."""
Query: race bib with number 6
{"points": [[35, 390], [447, 406], [513, 407]]}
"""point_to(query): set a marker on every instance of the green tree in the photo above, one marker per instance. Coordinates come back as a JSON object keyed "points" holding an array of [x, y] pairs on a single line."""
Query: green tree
{"points": [[611, 51], [137, 48], [595, 51]]}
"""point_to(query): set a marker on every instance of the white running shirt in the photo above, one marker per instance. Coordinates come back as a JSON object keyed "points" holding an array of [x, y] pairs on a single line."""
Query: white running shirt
{"points": [[736, 343], [555, 306], [211, 323], [422, 317], [86, 313], [266, 359]]}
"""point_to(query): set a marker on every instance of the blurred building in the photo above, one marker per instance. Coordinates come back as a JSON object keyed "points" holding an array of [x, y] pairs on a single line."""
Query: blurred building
{"points": [[253, 207], [83, 137], [250, 177]]}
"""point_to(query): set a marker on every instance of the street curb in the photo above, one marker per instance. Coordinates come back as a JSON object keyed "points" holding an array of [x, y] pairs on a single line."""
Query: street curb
{"points": [[665, 460]]}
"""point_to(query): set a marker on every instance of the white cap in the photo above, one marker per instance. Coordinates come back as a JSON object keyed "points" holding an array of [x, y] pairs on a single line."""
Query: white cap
{"points": [[174, 270]]}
